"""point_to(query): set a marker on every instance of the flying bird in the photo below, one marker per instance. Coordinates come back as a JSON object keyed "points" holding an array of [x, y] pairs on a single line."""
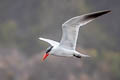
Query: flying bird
{"points": [[67, 45]]}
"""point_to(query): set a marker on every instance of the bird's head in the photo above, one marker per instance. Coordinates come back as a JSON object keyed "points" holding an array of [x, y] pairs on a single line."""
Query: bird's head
{"points": [[47, 52]]}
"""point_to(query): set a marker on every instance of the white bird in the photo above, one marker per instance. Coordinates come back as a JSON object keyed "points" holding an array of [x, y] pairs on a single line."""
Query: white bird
{"points": [[66, 47]]}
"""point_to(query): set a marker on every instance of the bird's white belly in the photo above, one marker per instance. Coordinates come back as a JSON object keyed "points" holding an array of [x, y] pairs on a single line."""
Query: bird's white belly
{"points": [[62, 52]]}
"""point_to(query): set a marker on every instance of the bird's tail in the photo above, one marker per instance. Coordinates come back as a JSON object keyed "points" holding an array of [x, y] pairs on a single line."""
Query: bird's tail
{"points": [[84, 55], [79, 55]]}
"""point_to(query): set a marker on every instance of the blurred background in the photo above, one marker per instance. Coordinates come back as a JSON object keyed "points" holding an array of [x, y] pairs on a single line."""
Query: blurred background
{"points": [[22, 22]]}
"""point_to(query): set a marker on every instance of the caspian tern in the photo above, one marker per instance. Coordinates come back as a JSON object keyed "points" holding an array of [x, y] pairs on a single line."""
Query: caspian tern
{"points": [[66, 47]]}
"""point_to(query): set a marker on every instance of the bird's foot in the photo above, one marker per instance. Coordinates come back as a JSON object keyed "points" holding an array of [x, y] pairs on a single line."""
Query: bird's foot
{"points": [[77, 56]]}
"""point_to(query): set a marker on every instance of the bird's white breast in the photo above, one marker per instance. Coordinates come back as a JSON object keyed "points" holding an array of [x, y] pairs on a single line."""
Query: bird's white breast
{"points": [[60, 51]]}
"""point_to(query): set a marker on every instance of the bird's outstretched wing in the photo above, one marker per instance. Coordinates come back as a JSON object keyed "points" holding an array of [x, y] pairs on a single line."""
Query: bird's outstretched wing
{"points": [[71, 28], [51, 42]]}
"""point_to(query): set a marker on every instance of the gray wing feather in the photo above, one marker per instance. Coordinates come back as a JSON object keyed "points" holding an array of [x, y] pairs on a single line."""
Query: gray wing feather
{"points": [[71, 28]]}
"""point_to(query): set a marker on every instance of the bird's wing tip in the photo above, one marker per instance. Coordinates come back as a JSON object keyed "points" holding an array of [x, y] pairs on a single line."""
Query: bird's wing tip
{"points": [[106, 11], [96, 14], [40, 38], [103, 11]]}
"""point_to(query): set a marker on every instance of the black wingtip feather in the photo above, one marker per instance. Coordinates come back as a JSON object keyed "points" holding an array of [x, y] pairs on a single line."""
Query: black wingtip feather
{"points": [[96, 14]]}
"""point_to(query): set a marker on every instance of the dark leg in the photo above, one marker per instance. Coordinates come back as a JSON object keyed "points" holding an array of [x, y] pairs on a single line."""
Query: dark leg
{"points": [[77, 56]]}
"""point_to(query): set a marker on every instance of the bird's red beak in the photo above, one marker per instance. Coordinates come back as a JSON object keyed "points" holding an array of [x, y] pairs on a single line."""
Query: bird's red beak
{"points": [[45, 56]]}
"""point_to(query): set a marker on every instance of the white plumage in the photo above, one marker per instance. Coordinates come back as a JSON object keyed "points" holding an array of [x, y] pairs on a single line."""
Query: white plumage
{"points": [[70, 29]]}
